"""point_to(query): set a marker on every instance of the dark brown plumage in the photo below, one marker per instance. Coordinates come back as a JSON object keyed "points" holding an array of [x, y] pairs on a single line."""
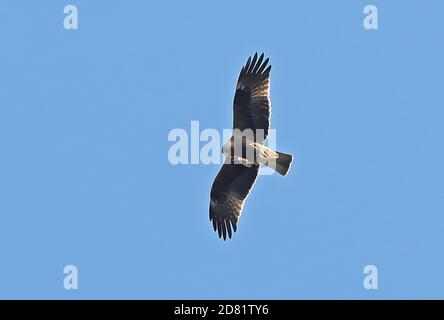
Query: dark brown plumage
{"points": [[251, 111], [230, 189], [251, 107]]}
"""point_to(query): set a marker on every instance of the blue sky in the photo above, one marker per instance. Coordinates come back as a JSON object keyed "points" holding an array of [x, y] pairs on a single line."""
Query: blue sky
{"points": [[84, 171]]}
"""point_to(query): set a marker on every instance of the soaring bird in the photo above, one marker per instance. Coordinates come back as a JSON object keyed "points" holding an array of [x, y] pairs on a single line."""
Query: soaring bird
{"points": [[245, 151]]}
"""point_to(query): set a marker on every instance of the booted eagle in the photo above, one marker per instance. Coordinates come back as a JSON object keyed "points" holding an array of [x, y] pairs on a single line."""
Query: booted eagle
{"points": [[245, 151]]}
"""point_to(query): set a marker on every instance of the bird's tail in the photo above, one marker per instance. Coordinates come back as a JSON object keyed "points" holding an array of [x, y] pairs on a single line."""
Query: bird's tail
{"points": [[282, 164]]}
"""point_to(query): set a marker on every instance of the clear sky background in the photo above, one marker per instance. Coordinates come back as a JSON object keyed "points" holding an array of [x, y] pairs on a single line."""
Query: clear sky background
{"points": [[84, 171]]}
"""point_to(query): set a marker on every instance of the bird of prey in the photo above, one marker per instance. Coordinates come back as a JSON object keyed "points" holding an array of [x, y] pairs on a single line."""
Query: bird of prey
{"points": [[245, 151]]}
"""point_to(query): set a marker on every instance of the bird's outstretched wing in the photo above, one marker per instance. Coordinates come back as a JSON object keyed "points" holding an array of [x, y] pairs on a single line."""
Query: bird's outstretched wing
{"points": [[228, 193], [252, 107]]}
